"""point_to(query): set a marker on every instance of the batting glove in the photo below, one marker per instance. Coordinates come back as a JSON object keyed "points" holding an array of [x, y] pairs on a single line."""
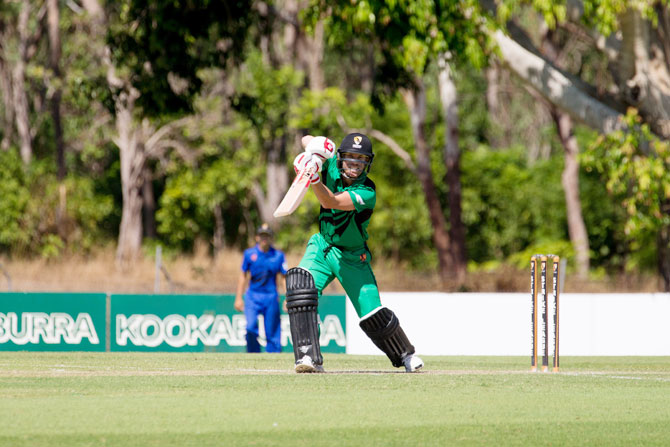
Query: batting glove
{"points": [[322, 147], [302, 159]]}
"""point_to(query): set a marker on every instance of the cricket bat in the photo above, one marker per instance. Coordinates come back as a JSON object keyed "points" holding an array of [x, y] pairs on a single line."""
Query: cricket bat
{"points": [[296, 192]]}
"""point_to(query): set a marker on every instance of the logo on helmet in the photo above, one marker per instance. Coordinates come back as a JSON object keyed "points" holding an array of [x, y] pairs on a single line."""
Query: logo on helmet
{"points": [[357, 142]]}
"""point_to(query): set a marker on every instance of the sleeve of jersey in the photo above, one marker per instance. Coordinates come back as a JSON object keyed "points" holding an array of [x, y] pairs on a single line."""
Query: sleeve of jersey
{"points": [[282, 267], [245, 261], [364, 198]]}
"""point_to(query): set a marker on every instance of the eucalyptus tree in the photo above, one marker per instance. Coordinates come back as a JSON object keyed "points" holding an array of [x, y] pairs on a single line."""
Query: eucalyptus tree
{"points": [[632, 40]]}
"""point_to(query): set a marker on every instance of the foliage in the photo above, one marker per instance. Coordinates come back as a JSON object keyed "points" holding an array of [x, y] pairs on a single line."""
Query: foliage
{"points": [[29, 212], [187, 205], [604, 15], [509, 205], [222, 178], [15, 198], [263, 96], [635, 167], [553, 12], [406, 35], [513, 208], [162, 44]]}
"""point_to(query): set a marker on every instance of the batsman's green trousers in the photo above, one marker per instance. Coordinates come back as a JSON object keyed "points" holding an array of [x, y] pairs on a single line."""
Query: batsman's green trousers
{"points": [[351, 267]]}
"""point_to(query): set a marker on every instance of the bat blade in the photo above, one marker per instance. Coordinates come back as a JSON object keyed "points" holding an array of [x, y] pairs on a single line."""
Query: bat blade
{"points": [[296, 192]]}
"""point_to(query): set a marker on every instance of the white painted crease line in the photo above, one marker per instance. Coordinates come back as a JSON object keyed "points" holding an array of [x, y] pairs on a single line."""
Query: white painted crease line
{"points": [[612, 376]]}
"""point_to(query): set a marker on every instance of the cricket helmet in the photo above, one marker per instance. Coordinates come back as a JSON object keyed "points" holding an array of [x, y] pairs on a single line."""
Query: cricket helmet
{"points": [[355, 143]]}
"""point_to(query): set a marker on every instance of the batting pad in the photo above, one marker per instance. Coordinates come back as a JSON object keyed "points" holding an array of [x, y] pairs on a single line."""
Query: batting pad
{"points": [[383, 328], [302, 300]]}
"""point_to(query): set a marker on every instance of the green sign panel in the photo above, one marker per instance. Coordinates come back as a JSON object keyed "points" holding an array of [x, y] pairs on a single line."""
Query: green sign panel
{"points": [[205, 323], [178, 323], [52, 321]]}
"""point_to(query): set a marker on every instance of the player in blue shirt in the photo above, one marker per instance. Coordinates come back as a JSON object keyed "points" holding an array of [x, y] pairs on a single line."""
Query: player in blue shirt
{"points": [[260, 267]]}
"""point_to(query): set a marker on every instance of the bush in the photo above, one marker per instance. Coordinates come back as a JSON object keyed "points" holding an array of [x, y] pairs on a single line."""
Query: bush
{"points": [[30, 220]]}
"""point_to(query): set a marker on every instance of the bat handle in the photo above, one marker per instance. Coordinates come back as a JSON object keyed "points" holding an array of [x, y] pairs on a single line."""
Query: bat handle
{"points": [[311, 166]]}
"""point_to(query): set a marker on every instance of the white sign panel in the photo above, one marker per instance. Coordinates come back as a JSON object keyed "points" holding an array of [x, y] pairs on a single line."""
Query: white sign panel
{"points": [[500, 324]]}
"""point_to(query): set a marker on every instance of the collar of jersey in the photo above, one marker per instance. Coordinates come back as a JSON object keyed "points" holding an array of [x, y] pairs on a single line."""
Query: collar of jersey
{"points": [[258, 249]]}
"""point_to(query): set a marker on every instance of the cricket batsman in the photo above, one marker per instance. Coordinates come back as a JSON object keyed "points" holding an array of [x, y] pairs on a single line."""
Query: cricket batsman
{"points": [[339, 250]]}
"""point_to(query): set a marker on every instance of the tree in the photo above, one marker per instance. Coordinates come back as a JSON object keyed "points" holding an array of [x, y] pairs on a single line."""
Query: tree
{"points": [[152, 53], [638, 64], [555, 51]]}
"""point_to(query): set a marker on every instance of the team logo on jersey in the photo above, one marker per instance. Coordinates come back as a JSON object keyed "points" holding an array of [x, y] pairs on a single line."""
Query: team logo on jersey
{"points": [[359, 199], [254, 257]]}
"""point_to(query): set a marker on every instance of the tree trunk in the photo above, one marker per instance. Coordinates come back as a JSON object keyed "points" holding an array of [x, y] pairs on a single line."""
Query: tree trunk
{"points": [[132, 158], [148, 205], [53, 19], [19, 87], [452, 160], [132, 155], [416, 102], [130, 231], [312, 55], [570, 182], [8, 103], [643, 81], [496, 112], [94, 10], [219, 231], [570, 177]]}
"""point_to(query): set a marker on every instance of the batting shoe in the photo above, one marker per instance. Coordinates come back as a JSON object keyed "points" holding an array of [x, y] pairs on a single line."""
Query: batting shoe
{"points": [[306, 365], [412, 363]]}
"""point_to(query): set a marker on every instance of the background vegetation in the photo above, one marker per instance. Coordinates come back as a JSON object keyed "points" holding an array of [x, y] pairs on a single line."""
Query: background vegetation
{"points": [[140, 123]]}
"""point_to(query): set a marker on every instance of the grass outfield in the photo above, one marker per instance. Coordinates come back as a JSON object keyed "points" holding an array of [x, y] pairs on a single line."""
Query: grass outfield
{"points": [[139, 399]]}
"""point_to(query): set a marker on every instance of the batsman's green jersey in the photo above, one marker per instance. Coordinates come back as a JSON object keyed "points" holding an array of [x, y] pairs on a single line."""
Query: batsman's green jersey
{"points": [[339, 250]]}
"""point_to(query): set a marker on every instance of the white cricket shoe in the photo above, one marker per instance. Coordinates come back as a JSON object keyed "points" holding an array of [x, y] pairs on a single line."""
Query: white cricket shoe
{"points": [[306, 365], [412, 363]]}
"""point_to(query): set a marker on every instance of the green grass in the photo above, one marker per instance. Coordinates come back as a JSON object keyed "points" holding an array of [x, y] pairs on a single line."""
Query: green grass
{"points": [[130, 399]]}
